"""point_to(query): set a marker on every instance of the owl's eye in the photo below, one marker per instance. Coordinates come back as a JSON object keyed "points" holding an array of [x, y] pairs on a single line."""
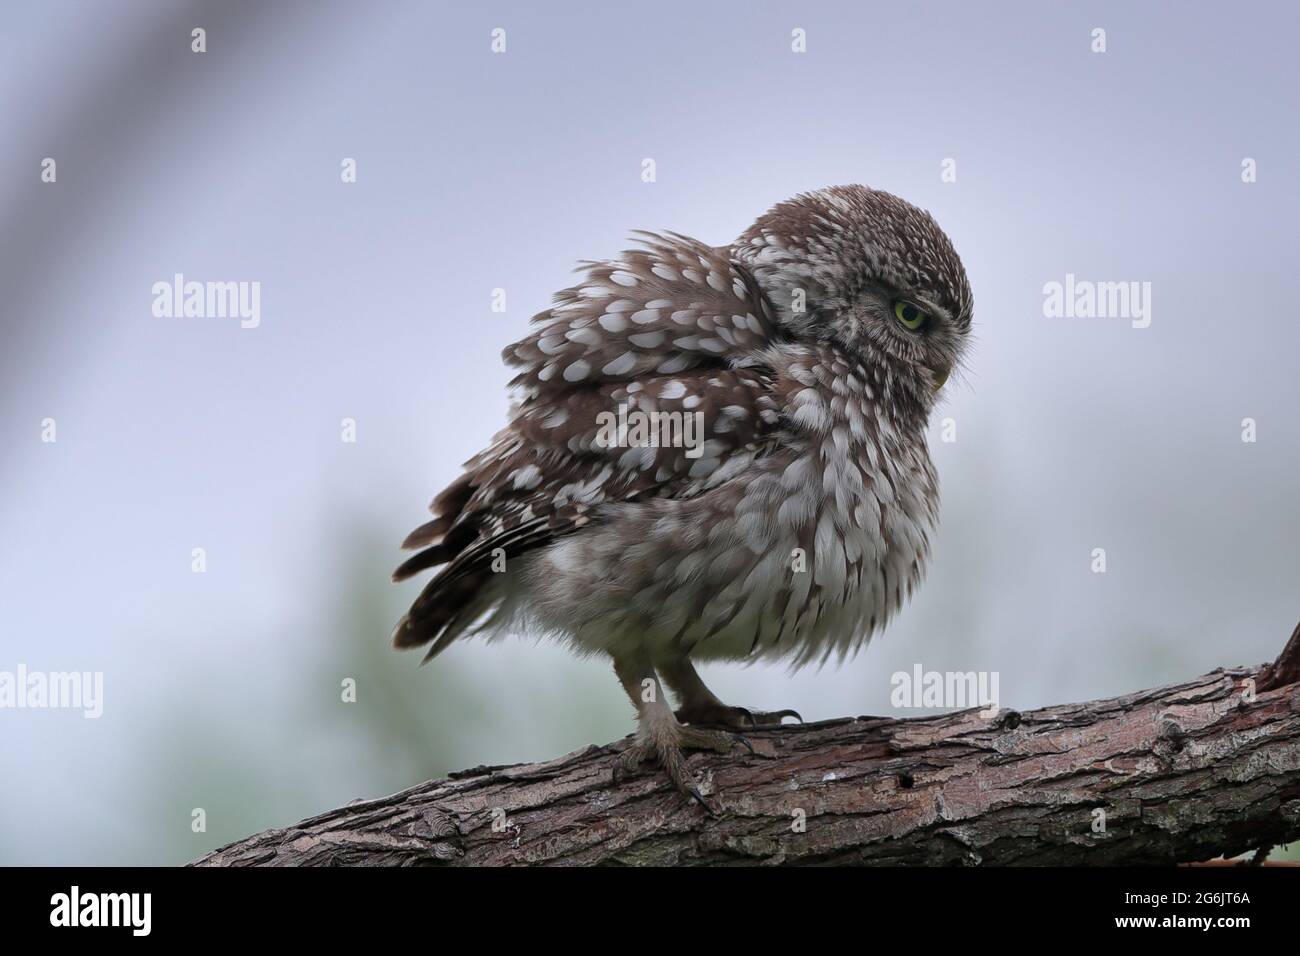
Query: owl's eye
{"points": [[910, 316]]}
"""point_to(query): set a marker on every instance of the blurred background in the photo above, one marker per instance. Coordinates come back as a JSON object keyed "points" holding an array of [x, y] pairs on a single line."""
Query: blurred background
{"points": [[479, 170]]}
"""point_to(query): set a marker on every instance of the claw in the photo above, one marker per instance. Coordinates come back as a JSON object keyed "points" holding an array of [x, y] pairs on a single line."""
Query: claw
{"points": [[736, 717], [743, 741], [699, 798]]}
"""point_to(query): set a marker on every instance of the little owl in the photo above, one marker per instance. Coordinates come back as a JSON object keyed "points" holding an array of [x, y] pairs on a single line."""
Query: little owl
{"points": [[809, 352]]}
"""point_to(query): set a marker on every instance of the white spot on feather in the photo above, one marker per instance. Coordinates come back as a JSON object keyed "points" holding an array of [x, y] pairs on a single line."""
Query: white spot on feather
{"points": [[621, 365], [577, 371], [526, 478], [585, 336], [647, 340]]}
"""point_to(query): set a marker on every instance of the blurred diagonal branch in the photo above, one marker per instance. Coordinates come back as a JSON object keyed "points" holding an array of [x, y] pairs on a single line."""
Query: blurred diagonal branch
{"points": [[1182, 773]]}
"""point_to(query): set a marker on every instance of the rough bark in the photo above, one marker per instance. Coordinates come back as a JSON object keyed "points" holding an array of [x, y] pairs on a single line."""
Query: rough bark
{"points": [[1181, 773]]}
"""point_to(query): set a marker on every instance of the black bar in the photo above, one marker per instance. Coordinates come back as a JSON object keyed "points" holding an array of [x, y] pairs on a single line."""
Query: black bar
{"points": [[297, 905]]}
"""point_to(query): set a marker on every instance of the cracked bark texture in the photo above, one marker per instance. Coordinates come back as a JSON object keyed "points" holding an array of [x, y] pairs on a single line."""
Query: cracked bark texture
{"points": [[1177, 774]]}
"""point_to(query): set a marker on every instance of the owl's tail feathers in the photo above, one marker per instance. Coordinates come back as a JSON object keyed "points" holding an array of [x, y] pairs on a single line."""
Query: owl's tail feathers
{"points": [[471, 543], [442, 612], [447, 535], [452, 544], [436, 612]]}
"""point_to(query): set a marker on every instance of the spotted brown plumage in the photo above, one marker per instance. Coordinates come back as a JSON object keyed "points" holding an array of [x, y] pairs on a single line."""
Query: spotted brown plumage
{"points": [[791, 525]]}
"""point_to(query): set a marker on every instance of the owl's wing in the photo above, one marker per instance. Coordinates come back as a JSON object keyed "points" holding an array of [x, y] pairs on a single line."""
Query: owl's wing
{"points": [[672, 305], [646, 380]]}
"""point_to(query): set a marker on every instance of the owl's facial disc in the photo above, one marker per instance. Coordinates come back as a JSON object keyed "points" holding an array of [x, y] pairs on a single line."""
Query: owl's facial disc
{"points": [[881, 322]]}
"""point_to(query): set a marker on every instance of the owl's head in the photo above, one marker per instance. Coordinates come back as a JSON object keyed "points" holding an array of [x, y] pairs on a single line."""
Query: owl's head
{"points": [[867, 271]]}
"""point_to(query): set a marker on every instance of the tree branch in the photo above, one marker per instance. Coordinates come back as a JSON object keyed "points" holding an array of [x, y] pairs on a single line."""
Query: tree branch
{"points": [[1181, 773]]}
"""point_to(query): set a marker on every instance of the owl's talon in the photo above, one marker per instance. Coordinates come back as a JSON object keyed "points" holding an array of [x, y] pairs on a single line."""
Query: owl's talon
{"points": [[715, 715], [666, 744], [699, 798], [720, 715], [617, 773], [628, 763]]}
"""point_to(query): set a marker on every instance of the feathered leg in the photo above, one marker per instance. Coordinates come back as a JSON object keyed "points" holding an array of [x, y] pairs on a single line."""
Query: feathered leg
{"points": [[659, 735]]}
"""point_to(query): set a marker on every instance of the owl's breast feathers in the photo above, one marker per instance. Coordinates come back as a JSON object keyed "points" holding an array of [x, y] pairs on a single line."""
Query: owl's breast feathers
{"points": [[772, 448]]}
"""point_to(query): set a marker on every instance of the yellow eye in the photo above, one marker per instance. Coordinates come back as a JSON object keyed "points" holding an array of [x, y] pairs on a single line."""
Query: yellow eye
{"points": [[910, 316]]}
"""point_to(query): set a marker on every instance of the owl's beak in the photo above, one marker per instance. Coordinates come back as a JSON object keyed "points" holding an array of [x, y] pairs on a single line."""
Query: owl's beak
{"points": [[939, 375]]}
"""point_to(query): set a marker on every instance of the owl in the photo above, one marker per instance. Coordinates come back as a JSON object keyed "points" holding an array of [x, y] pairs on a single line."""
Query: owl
{"points": [[716, 454]]}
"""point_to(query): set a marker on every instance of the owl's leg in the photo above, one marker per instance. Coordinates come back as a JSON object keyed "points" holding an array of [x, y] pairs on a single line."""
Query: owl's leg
{"points": [[699, 706], [659, 736]]}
